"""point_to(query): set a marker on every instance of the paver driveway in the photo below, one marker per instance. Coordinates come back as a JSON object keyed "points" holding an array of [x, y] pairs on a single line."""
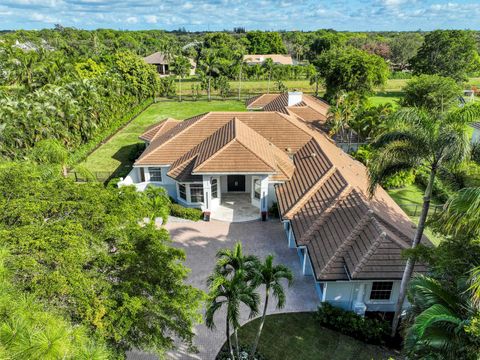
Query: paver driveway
{"points": [[202, 240]]}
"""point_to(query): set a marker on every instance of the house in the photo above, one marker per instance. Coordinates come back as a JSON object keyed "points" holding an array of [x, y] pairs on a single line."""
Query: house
{"points": [[160, 61], [278, 59], [309, 109], [476, 132], [350, 244]]}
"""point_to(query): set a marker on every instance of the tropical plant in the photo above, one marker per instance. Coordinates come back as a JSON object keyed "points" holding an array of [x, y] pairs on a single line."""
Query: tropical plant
{"points": [[271, 277], [231, 291], [181, 68], [340, 115], [462, 213], [420, 138], [440, 321], [267, 67], [210, 67]]}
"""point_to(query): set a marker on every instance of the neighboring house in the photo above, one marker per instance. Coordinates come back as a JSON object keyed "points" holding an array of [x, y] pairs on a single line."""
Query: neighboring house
{"points": [[476, 132], [278, 59], [349, 243], [160, 61], [309, 109]]}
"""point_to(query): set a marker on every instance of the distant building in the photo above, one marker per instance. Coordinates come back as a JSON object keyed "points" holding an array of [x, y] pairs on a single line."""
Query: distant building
{"points": [[276, 58], [162, 63]]}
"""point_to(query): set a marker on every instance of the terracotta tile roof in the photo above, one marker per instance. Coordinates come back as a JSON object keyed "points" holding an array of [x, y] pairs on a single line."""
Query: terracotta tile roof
{"points": [[347, 236], [158, 129], [234, 148], [276, 58], [156, 58]]}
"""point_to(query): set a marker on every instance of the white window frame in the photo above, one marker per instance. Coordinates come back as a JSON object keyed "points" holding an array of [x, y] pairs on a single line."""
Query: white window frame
{"points": [[254, 179], [186, 192], [156, 169], [190, 193], [389, 300]]}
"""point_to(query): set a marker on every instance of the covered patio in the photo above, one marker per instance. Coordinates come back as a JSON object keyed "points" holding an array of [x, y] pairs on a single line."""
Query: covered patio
{"points": [[236, 207]]}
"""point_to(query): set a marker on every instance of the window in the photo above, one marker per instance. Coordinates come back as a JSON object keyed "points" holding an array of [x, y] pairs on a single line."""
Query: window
{"points": [[182, 192], [257, 188], [155, 174], [381, 290], [214, 188], [196, 193]]}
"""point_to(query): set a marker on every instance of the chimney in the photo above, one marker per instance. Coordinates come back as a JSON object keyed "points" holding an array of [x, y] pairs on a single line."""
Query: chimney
{"points": [[294, 97]]}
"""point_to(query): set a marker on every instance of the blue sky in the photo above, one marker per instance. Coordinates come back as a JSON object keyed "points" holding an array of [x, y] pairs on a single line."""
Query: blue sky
{"points": [[354, 15]]}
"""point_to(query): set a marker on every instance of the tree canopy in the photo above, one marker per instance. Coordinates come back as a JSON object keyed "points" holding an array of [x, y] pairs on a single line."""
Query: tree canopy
{"points": [[82, 250], [351, 70], [452, 53]]}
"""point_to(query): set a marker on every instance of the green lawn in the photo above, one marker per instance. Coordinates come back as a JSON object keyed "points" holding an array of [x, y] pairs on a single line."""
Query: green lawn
{"points": [[410, 199], [117, 155], [298, 336]]}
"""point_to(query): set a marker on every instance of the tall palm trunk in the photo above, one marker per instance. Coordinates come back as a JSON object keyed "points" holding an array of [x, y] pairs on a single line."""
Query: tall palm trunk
{"points": [[316, 86], [260, 327], [407, 274], [229, 341], [268, 86], [180, 87], [208, 88], [235, 334], [240, 84]]}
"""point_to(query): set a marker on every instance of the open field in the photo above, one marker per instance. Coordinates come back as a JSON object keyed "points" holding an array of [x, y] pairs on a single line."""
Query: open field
{"points": [[410, 199], [298, 336], [117, 155]]}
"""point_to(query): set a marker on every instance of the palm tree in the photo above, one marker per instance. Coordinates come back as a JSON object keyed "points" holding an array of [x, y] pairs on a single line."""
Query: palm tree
{"points": [[340, 115], [230, 291], [209, 66], [440, 319], [231, 261], [158, 202], [270, 275], [181, 68], [268, 68], [417, 139], [462, 213]]}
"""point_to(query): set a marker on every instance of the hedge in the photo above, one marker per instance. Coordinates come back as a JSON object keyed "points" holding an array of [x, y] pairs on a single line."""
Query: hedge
{"points": [[103, 136], [186, 213], [371, 331]]}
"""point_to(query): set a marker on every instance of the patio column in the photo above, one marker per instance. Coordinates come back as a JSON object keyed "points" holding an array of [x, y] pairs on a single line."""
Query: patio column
{"points": [[264, 197], [307, 265], [207, 198]]}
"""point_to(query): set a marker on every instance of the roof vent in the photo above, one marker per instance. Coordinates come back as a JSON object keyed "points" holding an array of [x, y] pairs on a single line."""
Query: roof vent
{"points": [[313, 154], [294, 97]]}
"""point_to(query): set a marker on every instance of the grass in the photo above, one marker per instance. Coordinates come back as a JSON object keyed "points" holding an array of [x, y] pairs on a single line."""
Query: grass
{"points": [[117, 155], [298, 336], [409, 198]]}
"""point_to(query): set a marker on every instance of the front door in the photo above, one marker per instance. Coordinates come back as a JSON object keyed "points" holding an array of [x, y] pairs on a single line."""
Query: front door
{"points": [[236, 183]]}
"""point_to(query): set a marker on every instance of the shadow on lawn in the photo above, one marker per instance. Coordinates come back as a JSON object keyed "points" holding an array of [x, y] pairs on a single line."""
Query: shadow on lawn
{"points": [[126, 155]]}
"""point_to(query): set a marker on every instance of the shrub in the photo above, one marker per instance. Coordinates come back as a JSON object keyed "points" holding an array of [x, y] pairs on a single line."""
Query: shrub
{"points": [[440, 190], [273, 211], [185, 213], [372, 331], [399, 180], [476, 152]]}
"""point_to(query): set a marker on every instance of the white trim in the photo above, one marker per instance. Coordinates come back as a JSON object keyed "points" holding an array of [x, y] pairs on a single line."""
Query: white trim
{"points": [[324, 292]]}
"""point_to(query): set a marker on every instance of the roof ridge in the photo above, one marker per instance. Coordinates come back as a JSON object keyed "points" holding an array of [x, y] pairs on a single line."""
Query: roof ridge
{"points": [[373, 248], [324, 215], [294, 209], [366, 218]]}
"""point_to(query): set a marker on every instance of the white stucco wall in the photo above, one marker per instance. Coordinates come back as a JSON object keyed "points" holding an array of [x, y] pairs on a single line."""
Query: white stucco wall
{"points": [[344, 293]]}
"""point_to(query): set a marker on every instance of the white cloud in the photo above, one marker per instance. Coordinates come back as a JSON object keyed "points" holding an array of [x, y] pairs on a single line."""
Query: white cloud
{"points": [[132, 20], [151, 19]]}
